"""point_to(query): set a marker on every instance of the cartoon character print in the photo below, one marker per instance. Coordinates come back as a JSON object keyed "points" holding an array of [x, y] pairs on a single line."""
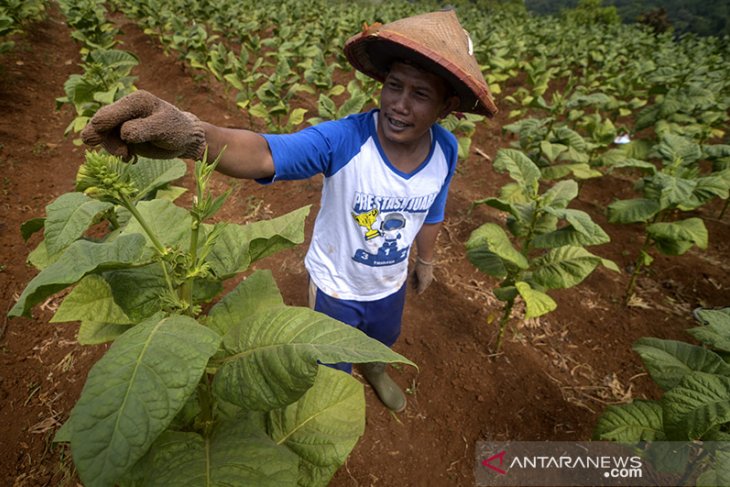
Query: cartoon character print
{"points": [[367, 220], [390, 230]]}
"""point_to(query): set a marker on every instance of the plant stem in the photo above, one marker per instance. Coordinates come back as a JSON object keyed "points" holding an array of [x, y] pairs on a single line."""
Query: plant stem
{"points": [[692, 468], [506, 312], [207, 404], [637, 268], [153, 238], [527, 242], [113, 221], [187, 286], [724, 209]]}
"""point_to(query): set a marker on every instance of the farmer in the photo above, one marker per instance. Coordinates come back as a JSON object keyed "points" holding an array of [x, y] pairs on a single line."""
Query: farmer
{"points": [[386, 172]]}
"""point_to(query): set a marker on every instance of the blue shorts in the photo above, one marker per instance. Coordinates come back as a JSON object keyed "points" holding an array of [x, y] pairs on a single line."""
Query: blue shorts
{"points": [[380, 319]]}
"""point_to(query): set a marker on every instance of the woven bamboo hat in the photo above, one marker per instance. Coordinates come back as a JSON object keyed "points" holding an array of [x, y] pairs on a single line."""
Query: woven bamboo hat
{"points": [[435, 41]]}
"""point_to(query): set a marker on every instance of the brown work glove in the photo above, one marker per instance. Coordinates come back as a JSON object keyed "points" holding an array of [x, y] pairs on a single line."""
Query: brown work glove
{"points": [[422, 275], [142, 124]]}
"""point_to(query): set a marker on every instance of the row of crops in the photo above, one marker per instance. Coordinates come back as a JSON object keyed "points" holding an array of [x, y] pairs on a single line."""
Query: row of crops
{"points": [[583, 101], [15, 16]]}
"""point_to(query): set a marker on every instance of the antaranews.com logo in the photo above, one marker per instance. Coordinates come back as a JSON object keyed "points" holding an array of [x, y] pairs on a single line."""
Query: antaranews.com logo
{"points": [[611, 466], [591, 463]]}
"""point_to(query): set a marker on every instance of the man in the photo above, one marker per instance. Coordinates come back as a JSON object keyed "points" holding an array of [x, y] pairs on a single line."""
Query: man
{"points": [[387, 172]]}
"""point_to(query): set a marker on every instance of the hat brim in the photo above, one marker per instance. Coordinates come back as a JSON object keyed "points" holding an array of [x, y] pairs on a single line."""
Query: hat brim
{"points": [[374, 54]]}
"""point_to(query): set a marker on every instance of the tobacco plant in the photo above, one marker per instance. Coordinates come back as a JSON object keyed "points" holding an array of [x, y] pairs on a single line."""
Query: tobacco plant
{"points": [[551, 240], [195, 389], [327, 108], [15, 15], [274, 96], [90, 26], [676, 184], [556, 145], [695, 380], [106, 79], [463, 126]]}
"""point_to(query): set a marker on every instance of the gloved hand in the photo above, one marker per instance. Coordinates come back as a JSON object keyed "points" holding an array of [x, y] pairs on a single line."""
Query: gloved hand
{"points": [[142, 124], [422, 275]]}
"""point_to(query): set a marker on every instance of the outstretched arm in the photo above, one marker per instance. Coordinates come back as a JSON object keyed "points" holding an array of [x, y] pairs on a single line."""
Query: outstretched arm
{"points": [[246, 153], [143, 124]]}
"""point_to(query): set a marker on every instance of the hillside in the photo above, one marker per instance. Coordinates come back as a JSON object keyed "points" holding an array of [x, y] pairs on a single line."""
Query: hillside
{"points": [[697, 16]]}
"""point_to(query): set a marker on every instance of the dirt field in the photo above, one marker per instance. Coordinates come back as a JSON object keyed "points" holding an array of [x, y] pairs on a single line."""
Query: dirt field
{"points": [[552, 380]]}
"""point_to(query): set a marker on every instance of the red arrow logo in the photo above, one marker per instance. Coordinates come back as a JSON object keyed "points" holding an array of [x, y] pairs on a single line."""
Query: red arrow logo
{"points": [[488, 462]]}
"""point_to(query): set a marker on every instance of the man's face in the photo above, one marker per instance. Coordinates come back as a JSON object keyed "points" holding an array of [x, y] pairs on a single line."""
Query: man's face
{"points": [[410, 102]]}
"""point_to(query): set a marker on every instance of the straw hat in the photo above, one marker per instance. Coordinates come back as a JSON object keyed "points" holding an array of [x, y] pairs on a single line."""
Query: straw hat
{"points": [[437, 42]]}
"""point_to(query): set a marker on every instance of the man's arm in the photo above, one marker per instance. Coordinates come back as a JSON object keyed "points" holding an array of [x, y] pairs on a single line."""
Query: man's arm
{"points": [[422, 275], [246, 153], [143, 124], [426, 240]]}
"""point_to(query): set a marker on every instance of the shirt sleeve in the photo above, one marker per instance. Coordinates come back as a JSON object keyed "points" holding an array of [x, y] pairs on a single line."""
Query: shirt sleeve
{"points": [[451, 149], [300, 155], [324, 148]]}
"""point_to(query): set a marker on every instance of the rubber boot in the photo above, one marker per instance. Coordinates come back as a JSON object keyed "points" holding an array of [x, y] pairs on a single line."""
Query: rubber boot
{"points": [[387, 390]]}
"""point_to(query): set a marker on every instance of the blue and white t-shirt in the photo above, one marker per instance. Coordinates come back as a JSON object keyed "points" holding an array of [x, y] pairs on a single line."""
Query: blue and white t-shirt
{"points": [[370, 211]]}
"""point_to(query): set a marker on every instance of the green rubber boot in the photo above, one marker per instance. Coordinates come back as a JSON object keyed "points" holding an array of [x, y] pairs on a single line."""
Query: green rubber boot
{"points": [[387, 390]]}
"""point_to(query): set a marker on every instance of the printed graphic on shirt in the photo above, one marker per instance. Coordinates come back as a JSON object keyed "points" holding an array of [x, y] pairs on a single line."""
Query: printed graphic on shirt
{"points": [[367, 220], [383, 220], [386, 204]]}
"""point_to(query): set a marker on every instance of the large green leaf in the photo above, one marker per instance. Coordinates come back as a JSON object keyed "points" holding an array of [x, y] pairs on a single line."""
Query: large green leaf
{"points": [[581, 230], [352, 105], [134, 392], [719, 471], [520, 168], [673, 147], [699, 403], [29, 227], [79, 259], [68, 217], [240, 245], [560, 194], [323, 426], [716, 330], [273, 354], [115, 58], [567, 266], [137, 290], [632, 211], [537, 303], [676, 238], [635, 164], [631, 423], [716, 185], [498, 203], [97, 332], [39, 258], [570, 138], [236, 454], [514, 193], [552, 151], [490, 250], [668, 361], [91, 299], [670, 190], [579, 170], [170, 223], [255, 293], [150, 174]]}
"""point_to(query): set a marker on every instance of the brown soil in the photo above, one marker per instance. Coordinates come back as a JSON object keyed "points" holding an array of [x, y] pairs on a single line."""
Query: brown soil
{"points": [[555, 374]]}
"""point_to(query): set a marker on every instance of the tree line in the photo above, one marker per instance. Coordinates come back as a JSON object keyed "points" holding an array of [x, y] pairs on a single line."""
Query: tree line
{"points": [[702, 17]]}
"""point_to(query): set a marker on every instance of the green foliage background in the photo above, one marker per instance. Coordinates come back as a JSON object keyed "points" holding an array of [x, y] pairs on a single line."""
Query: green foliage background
{"points": [[702, 17]]}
